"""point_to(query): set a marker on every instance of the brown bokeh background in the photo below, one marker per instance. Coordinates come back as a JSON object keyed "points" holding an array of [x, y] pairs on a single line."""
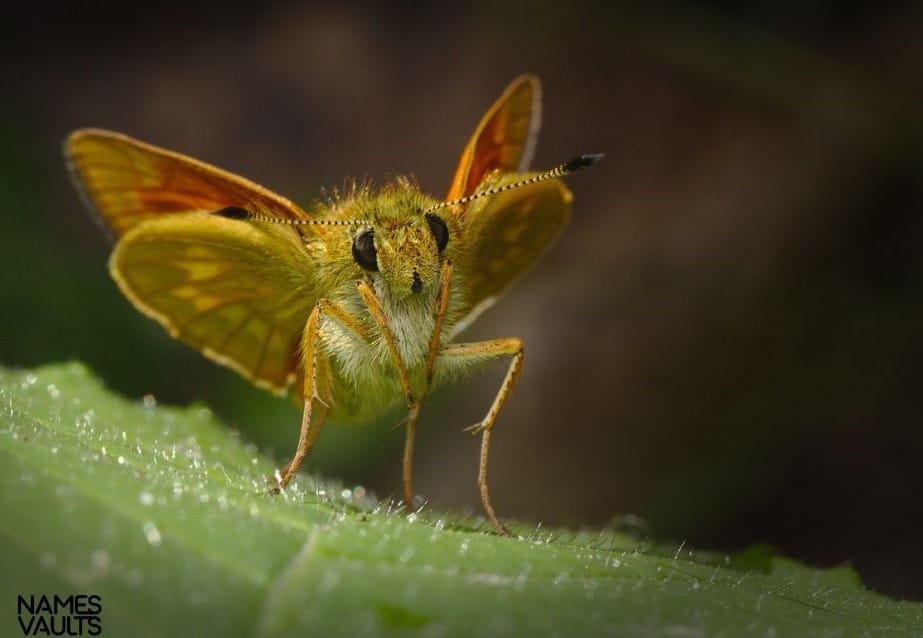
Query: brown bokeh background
{"points": [[725, 343]]}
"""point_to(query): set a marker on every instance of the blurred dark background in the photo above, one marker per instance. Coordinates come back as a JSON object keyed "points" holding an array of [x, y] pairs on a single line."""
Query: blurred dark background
{"points": [[727, 341]]}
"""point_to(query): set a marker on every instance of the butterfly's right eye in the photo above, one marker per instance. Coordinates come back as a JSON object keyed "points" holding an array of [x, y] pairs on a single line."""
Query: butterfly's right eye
{"points": [[364, 250]]}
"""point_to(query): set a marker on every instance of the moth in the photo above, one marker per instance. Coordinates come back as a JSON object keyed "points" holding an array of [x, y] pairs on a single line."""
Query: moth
{"points": [[354, 305]]}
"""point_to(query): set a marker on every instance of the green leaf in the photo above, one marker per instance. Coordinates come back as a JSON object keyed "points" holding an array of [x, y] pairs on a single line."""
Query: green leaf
{"points": [[164, 513]]}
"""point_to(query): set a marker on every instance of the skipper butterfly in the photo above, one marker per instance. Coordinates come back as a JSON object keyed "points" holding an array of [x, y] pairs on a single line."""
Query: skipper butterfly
{"points": [[354, 304]]}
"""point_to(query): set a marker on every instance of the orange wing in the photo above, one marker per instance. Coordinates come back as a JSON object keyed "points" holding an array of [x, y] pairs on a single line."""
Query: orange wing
{"points": [[508, 234], [504, 139], [128, 182], [239, 292]]}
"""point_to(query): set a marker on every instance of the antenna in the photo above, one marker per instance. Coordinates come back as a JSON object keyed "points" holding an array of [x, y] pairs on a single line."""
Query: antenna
{"points": [[578, 163], [236, 212]]}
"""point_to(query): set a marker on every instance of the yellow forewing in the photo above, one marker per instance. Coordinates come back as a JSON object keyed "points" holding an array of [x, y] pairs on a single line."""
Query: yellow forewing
{"points": [[504, 139], [239, 292], [129, 182], [508, 233]]}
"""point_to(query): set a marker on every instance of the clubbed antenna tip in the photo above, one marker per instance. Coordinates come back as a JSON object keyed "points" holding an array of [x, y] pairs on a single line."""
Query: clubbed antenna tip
{"points": [[578, 163], [582, 161]]}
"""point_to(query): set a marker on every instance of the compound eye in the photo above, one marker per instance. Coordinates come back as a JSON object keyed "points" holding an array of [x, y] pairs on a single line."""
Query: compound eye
{"points": [[440, 231], [364, 250]]}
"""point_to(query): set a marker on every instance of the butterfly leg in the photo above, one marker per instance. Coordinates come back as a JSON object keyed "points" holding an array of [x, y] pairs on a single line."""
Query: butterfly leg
{"points": [[414, 403], [442, 304], [316, 379], [479, 352], [309, 431], [375, 309]]}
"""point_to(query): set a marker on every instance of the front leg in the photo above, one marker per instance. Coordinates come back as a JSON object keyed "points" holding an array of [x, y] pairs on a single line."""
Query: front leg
{"points": [[442, 304], [375, 309], [414, 403], [316, 387], [479, 352]]}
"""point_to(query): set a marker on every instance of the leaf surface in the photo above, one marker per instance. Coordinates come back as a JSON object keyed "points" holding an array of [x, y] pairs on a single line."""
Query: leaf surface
{"points": [[164, 513]]}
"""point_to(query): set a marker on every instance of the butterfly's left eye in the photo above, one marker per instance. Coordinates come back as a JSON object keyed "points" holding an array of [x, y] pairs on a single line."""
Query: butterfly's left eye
{"points": [[440, 231], [364, 250]]}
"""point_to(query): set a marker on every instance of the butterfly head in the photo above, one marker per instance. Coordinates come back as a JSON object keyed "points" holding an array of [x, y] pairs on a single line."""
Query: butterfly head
{"points": [[400, 245], [399, 236]]}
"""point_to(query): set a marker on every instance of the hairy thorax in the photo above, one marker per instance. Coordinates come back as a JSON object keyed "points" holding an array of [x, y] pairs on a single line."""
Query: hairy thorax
{"points": [[366, 380]]}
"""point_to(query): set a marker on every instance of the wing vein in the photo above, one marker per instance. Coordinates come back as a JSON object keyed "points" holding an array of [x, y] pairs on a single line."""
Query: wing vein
{"points": [[204, 312]]}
